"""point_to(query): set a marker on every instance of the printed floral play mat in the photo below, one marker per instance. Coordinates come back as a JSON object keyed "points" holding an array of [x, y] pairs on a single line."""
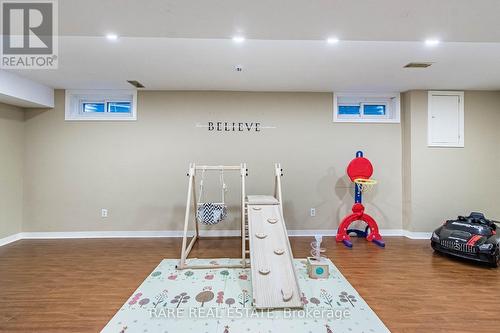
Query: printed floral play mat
{"points": [[220, 301]]}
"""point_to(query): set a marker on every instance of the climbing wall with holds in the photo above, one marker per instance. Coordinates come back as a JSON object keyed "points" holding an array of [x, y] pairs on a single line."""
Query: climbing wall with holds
{"points": [[274, 281]]}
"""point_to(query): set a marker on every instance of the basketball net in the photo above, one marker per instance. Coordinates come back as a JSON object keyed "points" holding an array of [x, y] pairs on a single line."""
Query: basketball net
{"points": [[365, 184]]}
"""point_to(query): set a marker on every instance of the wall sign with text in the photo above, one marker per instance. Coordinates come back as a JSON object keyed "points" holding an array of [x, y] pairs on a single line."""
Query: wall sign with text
{"points": [[230, 126]]}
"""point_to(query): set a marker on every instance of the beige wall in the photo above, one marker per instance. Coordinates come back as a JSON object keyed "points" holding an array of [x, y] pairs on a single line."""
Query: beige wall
{"points": [[70, 170], [137, 169], [445, 182], [11, 169]]}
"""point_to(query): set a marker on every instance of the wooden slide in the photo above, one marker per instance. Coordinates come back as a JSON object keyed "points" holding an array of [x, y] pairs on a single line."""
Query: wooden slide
{"points": [[274, 281]]}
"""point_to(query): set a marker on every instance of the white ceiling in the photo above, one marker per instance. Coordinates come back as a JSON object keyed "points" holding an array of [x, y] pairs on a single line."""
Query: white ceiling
{"points": [[205, 64], [285, 49], [366, 20]]}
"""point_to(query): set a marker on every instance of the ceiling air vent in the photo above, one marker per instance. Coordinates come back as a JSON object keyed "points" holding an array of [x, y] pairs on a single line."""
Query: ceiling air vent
{"points": [[418, 65], [135, 83]]}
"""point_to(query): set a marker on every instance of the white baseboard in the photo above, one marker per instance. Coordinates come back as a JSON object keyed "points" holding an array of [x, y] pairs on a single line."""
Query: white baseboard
{"points": [[100, 234], [311, 233], [417, 234], [125, 234], [383, 232], [178, 233], [10, 239]]}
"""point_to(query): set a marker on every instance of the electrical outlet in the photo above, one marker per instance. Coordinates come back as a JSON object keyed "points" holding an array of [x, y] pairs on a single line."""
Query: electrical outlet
{"points": [[313, 212], [104, 212]]}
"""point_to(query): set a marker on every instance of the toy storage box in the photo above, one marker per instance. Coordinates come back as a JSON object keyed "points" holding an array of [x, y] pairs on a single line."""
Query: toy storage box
{"points": [[317, 269]]}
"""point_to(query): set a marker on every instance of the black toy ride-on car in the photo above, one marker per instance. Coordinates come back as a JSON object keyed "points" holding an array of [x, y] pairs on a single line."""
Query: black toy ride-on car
{"points": [[471, 237]]}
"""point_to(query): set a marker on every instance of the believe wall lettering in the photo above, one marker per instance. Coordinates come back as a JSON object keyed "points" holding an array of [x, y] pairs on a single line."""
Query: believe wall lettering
{"points": [[220, 126]]}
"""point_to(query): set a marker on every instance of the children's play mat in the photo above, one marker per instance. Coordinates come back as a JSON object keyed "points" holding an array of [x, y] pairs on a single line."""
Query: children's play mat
{"points": [[220, 301]]}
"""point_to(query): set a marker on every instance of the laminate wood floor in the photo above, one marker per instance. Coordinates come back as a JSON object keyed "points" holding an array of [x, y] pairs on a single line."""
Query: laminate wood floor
{"points": [[77, 285]]}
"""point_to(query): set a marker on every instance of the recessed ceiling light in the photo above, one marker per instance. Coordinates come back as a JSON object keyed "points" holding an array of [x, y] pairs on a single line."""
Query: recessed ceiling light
{"points": [[112, 37], [332, 40], [238, 39], [432, 42]]}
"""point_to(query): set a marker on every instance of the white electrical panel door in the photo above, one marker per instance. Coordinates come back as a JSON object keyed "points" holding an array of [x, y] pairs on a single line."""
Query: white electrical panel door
{"points": [[446, 119]]}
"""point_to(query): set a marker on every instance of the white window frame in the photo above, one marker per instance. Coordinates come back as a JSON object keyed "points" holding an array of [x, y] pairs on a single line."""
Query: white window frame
{"points": [[461, 116], [74, 100], [393, 108]]}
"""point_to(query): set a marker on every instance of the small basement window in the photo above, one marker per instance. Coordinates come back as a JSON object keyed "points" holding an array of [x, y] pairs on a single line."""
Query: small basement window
{"points": [[366, 107], [101, 105]]}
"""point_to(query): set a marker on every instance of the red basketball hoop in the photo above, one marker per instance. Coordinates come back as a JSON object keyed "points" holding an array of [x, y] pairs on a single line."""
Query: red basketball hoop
{"points": [[359, 171], [364, 184]]}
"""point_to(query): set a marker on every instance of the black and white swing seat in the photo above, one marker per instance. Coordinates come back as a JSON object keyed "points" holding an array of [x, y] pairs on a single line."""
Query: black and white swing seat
{"points": [[211, 213]]}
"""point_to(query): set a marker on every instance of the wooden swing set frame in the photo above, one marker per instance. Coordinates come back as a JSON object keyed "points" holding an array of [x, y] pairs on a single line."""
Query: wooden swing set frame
{"points": [[191, 207]]}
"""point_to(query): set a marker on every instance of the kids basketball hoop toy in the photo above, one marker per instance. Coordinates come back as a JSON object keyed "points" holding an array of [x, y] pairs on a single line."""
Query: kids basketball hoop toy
{"points": [[359, 171]]}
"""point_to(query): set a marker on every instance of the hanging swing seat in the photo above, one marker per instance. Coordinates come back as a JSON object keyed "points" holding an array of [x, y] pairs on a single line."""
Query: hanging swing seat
{"points": [[211, 213]]}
